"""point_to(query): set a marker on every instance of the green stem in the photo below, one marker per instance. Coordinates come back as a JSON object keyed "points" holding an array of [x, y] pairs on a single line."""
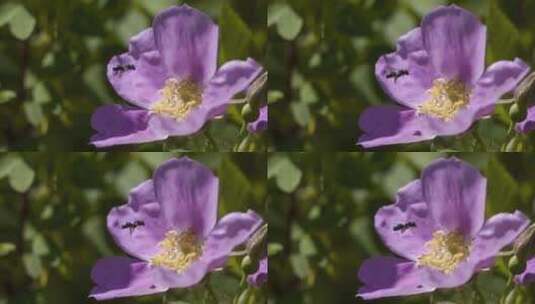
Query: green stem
{"points": [[432, 298], [164, 298]]}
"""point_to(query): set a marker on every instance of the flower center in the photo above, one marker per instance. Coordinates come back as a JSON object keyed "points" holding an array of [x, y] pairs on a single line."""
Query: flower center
{"points": [[179, 98], [447, 98], [445, 251], [178, 251]]}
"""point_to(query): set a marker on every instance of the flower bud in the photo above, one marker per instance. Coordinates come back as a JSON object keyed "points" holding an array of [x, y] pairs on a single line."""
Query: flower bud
{"points": [[525, 92], [256, 94], [514, 265], [247, 265], [524, 246], [257, 244], [248, 114]]}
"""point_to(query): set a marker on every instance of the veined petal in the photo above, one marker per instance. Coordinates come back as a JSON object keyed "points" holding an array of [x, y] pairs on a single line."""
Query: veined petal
{"points": [[142, 43], [405, 231], [231, 78], [136, 226], [187, 40], [187, 192], [189, 277], [455, 40], [117, 277], [389, 125], [119, 125], [410, 194], [500, 78], [138, 80], [231, 231], [389, 277], [499, 231], [455, 193]]}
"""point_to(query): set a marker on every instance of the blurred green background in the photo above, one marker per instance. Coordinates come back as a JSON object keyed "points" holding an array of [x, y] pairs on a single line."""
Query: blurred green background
{"points": [[53, 210], [321, 57], [53, 58], [322, 207]]}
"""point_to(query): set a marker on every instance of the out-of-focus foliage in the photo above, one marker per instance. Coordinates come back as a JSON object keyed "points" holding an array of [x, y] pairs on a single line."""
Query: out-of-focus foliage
{"points": [[322, 54], [53, 212], [323, 230], [53, 57]]}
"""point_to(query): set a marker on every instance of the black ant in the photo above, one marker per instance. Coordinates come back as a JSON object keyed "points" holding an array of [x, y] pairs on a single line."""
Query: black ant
{"points": [[132, 226], [397, 74], [404, 227], [123, 68]]}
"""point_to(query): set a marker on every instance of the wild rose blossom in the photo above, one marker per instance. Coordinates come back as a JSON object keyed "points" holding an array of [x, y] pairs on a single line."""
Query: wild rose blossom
{"points": [[169, 75], [437, 228], [437, 77], [261, 123], [169, 228]]}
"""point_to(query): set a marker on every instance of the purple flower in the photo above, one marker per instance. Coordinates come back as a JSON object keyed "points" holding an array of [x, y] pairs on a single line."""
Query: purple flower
{"points": [[169, 228], [528, 124], [437, 228], [528, 275], [260, 277], [169, 75], [261, 123], [437, 77]]}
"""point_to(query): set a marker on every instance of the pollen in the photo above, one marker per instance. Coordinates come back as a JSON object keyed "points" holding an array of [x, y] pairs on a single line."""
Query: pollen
{"points": [[177, 251], [447, 97], [445, 251], [179, 98]]}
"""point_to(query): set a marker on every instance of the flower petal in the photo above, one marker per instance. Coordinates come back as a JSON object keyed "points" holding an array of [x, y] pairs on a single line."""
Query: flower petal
{"points": [[528, 275], [261, 122], [390, 277], [187, 40], [118, 277], [231, 78], [499, 231], [455, 193], [405, 230], [119, 125], [231, 231], [260, 277], [189, 277], [500, 78], [389, 125], [142, 43], [143, 212], [455, 40], [188, 193], [138, 80], [528, 124], [409, 194], [406, 74]]}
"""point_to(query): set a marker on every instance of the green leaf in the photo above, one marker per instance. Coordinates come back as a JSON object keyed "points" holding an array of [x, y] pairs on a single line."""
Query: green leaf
{"points": [[288, 22], [501, 188], [235, 187], [301, 113], [21, 177], [6, 96], [33, 265], [22, 24], [503, 34], [7, 11], [7, 163], [6, 248], [235, 34], [287, 175], [34, 113]]}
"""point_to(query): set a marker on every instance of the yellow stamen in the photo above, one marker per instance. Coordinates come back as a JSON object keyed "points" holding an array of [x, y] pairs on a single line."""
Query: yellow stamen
{"points": [[178, 251], [447, 97], [445, 251], [178, 98]]}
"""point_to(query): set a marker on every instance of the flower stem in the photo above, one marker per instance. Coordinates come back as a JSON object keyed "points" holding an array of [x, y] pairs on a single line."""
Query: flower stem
{"points": [[164, 298]]}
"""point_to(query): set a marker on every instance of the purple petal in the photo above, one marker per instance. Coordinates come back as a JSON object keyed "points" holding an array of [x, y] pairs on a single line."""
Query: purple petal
{"points": [[138, 80], [389, 125], [187, 40], [143, 211], [528, 276], [455, 41], [189, 277], [499, 231], [117, 277], [231, 231], [119, 125], [188, 193], [261, 123], [408, 89], [500, 78], [405, 230], [409, 194], [390, 277], [462, 274], [142, 43], [231, 78], [528, 124], [455, 194], [260, 277]]}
